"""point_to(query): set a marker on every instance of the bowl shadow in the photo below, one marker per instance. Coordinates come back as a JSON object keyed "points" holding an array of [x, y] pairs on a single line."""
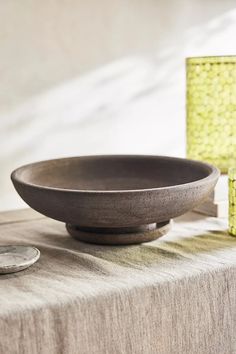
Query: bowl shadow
{"points": [[153, 254]]}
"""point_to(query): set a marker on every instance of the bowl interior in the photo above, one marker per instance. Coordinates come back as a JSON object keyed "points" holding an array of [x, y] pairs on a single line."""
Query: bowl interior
{"points": [[113, 172]]}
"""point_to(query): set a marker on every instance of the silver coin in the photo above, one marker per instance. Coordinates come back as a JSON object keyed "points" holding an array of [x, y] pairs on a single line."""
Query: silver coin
{"points": [[16, 258]]}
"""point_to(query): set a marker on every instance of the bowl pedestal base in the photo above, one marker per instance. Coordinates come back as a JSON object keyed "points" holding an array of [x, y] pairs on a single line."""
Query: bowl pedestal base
{"points": [[119, 236]]}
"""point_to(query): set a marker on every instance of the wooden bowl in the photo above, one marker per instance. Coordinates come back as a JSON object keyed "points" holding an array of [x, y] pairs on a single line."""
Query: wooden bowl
{"points": [[115, 199]]}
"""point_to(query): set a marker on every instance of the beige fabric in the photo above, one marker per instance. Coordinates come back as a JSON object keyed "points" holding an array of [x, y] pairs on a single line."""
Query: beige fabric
{"points": [[12, 216], [176, 295]]}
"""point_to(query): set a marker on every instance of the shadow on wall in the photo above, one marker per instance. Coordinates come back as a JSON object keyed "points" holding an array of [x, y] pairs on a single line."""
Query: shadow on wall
{"points": [[132, 105]]}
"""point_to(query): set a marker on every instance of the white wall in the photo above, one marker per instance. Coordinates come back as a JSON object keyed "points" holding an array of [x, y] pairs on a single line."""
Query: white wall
{"points": [[89, 77]]}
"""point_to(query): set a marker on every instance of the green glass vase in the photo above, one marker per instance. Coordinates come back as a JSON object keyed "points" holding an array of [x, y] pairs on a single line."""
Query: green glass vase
{"points": [[211, 110], [232, 201]]}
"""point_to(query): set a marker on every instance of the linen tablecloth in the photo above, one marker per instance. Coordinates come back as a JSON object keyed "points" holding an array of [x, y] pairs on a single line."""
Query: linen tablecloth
{"points": [[176, 295]]}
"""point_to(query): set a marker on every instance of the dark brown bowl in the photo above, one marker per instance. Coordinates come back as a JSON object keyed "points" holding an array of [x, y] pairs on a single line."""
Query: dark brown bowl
{"points": [[111, 195]]}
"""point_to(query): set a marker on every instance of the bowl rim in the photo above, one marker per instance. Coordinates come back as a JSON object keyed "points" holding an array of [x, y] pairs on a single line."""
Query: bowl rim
{"points": [[214, 174]]}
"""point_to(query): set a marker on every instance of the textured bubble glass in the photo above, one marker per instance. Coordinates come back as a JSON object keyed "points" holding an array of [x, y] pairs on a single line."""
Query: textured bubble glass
{"points": [[211, 110], [232, 201]]}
